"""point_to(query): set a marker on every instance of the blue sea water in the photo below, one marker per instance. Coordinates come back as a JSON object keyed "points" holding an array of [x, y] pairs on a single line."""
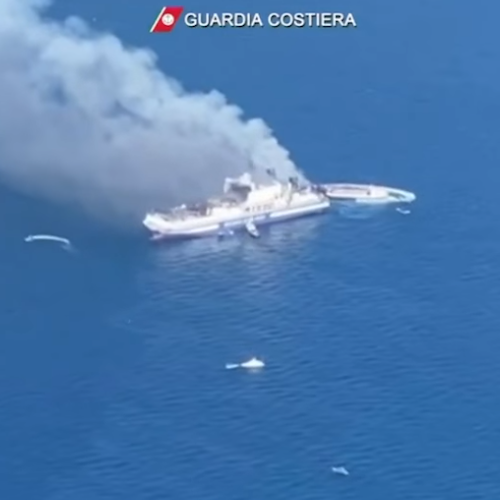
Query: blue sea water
{"points": [[381, 334]]}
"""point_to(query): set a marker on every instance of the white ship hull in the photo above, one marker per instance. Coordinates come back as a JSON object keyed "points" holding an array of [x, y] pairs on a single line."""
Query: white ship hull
{"points": [[214, 228]]}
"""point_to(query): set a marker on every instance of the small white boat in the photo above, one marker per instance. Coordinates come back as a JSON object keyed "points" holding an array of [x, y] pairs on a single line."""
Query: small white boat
{"points": [[340, 470], [252, 229], [251, 364], [366, 193]]}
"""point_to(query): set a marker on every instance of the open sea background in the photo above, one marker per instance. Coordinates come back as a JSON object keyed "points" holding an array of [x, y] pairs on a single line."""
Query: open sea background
{"points": [[381, 334]]}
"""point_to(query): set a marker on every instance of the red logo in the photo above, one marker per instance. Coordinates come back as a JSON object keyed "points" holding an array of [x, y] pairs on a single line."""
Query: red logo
{"points": [[166, 20]]}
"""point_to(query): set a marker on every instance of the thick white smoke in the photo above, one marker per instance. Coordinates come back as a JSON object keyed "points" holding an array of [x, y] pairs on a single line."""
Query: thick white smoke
{"points": [[85, 119]]}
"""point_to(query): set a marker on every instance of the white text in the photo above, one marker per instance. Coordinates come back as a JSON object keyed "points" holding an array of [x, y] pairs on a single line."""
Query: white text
{"points": [[274, 20]]}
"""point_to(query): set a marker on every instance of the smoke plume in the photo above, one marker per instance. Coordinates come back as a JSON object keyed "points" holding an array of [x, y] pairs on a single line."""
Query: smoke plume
{"points": [[84, 119]]}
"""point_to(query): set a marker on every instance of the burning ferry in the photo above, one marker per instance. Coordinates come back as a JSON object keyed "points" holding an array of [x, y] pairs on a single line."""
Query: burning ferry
{"points": [[243, 205]]}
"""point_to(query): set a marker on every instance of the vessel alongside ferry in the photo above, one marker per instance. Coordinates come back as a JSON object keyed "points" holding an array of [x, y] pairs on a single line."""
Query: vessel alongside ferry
{"points": [[244, 204], [365, 193]]}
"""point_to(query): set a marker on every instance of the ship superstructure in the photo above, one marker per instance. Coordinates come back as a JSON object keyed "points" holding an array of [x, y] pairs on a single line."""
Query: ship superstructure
{"points": [[243, 203]]}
